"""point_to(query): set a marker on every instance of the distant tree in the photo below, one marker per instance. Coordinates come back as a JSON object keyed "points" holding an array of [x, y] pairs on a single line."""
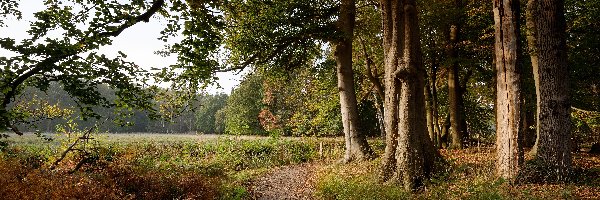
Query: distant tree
{"points": [[243, 107], [583, 41], [206, 115], [305, 101], [454, 36], [470, 53]]}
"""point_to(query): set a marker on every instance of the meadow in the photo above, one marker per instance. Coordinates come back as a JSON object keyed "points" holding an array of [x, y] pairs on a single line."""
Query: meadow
{"points": [[149, 166], [188, 166]]}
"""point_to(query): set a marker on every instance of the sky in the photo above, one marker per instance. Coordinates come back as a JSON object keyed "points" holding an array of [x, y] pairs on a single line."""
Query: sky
{"points": [[138, 42]]}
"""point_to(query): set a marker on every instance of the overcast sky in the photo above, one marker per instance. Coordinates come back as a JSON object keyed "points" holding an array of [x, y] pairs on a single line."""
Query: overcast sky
{"points": [[138, 42]]}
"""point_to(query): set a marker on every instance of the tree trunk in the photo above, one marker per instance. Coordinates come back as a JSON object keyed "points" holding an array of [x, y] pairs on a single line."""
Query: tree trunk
{"points": [[434, 106], [454, 94], [357, 147], [461, 107], [429, 113], [392, 45], [547, 45], [414, 153], [453, 107], [509, 150]]}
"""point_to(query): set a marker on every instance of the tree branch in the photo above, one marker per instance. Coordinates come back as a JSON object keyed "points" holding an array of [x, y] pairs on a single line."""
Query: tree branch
{"points": [[255, 58], [145, 17], [402, 74], [370, 75], [50, 61]]}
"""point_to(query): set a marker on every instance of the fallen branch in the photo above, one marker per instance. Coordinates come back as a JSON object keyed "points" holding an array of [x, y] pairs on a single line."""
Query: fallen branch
{"points": [[85, 136]]}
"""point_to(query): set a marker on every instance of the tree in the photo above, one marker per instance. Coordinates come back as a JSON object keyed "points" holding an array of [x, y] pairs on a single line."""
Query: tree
{"points": [[356, 142], [292, 31], [583, 40], [206, 115], [473, 48], [456, 110], [509, 118], [305, 101], [409, 155], [74, 60], [243, 107], [546, 38]]}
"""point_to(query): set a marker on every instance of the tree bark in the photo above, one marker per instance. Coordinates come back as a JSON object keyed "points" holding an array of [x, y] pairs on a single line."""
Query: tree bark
{"points": [[357, 147], [414, 152], [547, 45], [509, 149], [461, 106]]}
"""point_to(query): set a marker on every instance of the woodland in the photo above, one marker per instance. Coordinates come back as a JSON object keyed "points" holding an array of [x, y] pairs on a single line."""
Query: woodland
{"points": [[340, 99]]}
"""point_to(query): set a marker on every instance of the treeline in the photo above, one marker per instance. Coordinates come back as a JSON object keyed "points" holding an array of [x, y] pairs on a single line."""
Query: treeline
{"points": [[260, 105], [199, 116]]}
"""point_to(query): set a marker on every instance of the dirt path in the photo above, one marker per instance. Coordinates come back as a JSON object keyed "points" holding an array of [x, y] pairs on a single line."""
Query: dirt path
{"points": [[287, 182]]}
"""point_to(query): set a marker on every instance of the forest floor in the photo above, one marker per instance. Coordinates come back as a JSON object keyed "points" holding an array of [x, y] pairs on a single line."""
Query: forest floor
{"points": [[469, 176]]}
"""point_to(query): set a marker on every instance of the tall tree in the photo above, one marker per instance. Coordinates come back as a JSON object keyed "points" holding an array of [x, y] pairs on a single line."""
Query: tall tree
{"points": [[409, 154], [454, 89], [509, 150], [293, 30], [547, 46], [206, 119], [356, 143]]}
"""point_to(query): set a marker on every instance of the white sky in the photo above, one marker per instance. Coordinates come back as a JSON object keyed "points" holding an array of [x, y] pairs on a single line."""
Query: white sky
{"points": [[138, 42]]}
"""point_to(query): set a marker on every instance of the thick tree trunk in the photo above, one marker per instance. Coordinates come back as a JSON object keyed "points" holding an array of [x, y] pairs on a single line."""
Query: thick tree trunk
{"points": [[392, 44], [509, 150], [547, 45], [414, 152], [357, 147]]}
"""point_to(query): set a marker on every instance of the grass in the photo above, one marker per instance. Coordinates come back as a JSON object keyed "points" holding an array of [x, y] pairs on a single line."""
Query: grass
{"points": [[355, 181]]}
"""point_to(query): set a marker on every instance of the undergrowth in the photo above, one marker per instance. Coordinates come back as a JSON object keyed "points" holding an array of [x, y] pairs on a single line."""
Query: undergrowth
{"points": [[223, 168], [470, 175], [213, 169]]}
